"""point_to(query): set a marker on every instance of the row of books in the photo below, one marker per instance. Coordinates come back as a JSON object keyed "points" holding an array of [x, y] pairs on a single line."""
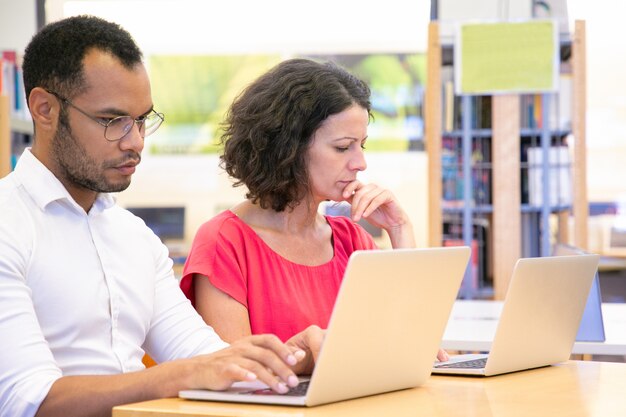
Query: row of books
{"points": [[452, 108], [452, 171], [558, 181], [12, 84], [480, 280], [559, 108], [559, 178]]}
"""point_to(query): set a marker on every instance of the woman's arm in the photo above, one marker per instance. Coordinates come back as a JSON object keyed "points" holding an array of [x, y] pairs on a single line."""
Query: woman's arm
{"points": [[381, 208], [228, 317]]}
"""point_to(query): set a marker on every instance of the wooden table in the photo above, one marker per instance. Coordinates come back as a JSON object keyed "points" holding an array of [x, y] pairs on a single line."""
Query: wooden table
{"points": [[575, 388]]}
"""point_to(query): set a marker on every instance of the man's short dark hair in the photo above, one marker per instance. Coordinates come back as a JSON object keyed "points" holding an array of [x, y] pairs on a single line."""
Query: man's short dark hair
{"points": [[269, 127], [54, 57]]}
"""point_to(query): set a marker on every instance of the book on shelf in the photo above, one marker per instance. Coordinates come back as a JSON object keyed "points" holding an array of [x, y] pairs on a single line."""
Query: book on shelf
{"points": [[18, 116], [480, 110], [450, 175], [448, 94], [9, 84], [560, 108], [479, 262], [534, 141], [12, 84], [559, 176], [452, 172], [447, 97]]}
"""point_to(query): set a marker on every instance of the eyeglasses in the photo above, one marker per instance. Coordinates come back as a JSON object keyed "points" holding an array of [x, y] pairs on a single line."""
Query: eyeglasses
{"points": [[117, 127]]}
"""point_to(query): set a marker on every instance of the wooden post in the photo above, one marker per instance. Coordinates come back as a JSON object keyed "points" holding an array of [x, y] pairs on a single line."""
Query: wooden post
{"points": [[579, 129], [563, 227], [432, 124], [507, 222], [5, 137]]}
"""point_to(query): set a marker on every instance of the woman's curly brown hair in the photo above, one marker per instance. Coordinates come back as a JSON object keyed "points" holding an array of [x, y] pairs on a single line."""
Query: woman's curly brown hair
{"points": [[269, 127]]}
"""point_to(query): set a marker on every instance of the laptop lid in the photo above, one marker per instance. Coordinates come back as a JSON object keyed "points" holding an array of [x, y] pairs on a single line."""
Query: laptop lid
{"points": [[541, 314], [385, 328], [591, 327]]}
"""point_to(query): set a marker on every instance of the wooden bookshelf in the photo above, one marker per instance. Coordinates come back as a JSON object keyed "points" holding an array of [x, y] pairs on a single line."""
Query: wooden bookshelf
{"points": [[432, 134], [504, 212], [5, 137]]}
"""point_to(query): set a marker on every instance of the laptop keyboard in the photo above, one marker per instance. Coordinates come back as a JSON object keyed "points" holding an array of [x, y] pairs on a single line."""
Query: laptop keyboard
{"points": [[472, 364], [299, 391]]}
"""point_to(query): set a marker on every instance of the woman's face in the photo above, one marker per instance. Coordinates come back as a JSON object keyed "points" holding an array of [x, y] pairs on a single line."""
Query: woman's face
{"points": [[336, 153]]}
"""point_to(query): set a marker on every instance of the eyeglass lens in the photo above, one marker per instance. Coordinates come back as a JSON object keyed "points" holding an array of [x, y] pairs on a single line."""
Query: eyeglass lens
{"points": [[120, 126]]}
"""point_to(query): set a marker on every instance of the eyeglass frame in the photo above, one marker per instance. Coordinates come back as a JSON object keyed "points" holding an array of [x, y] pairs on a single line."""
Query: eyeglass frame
{"points": [[139, 122]]}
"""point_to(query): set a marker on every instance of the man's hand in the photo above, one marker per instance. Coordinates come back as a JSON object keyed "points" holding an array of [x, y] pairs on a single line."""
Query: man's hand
{"points": [[261, 357]]}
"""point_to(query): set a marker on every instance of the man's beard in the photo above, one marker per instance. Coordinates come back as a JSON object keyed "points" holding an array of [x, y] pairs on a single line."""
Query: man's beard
{"points": [[78, 168]]}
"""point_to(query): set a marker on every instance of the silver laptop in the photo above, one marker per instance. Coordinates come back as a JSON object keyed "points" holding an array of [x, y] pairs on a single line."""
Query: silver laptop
{"points": [[539, 320], [384, 331]]}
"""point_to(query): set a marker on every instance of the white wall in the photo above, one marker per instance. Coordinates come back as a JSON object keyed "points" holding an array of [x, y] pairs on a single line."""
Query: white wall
{"points": [[245, 26], [606, 96], [18, 23]]}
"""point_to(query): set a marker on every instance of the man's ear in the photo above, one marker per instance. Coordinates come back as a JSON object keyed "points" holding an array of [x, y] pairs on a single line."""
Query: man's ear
{"points": [[44, 108]]}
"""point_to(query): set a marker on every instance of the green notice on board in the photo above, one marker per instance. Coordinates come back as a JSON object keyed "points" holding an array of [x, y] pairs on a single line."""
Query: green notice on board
{"points": [[507, 57]]}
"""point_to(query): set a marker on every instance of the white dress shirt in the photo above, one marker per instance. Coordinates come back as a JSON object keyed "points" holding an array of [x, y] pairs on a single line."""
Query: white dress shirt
{"points": [[81, 293]]}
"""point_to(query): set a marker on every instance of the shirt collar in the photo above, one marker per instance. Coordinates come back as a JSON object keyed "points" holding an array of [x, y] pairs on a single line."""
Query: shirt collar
{"points": [[44, 187]]}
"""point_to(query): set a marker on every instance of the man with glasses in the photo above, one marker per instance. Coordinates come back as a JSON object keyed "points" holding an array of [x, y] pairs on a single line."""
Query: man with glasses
{"points": [[85, 287], [117, 127]]}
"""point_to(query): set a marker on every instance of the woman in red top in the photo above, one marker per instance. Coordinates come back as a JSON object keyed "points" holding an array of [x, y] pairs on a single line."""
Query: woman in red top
{"points": [[272, 264]]}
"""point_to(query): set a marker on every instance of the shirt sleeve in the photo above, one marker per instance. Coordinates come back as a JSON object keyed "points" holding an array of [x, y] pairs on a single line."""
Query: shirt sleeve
{"points": [[220, 252], [27, 366], [177, 331]]}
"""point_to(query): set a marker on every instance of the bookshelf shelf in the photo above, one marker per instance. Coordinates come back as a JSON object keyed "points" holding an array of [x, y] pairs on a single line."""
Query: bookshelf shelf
{"points": [[488, 209], [24, 126], [15, 135], [533, 132], [486, 186], [476, 133]]}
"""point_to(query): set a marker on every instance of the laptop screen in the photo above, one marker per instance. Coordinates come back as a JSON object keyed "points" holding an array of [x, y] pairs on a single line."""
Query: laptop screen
{"points": [[591, 325], [166, 222]]}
